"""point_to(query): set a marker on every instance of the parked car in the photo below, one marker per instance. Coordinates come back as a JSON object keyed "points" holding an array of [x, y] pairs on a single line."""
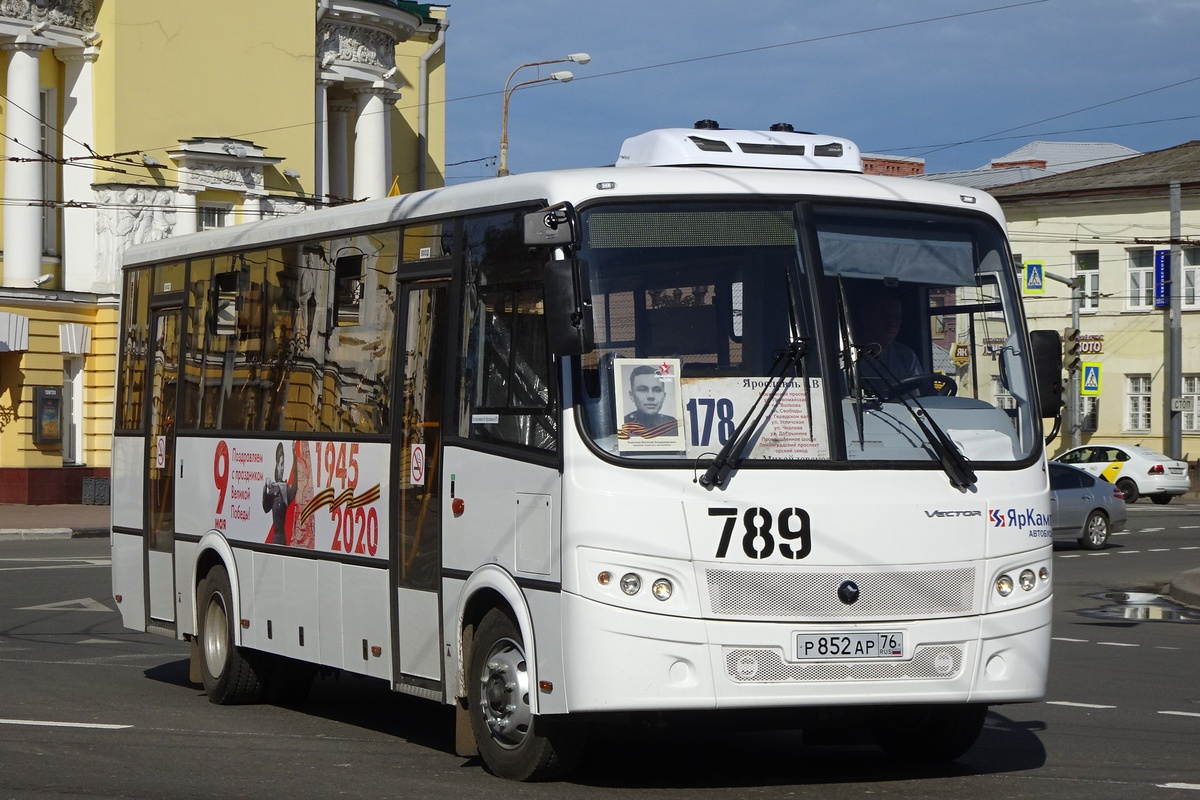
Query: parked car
{"points": [[1137, 471], [1084, 507]]}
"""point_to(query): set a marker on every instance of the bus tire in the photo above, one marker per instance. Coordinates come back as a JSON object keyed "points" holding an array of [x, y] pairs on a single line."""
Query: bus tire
{"points": [[229, 676], [929, 734], [514, 743]]}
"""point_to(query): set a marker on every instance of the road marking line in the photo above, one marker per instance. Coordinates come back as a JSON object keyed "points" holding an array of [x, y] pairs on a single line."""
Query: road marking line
{"points": [[1119, 644], [1065, 639], [1097, 554], [1127, 552], [1076, 555], [1191, 547], [1159, 550], [47, 724], [1194, 786], [1181, 713], [1188, 527], [1151, 530], [1075, 705]]}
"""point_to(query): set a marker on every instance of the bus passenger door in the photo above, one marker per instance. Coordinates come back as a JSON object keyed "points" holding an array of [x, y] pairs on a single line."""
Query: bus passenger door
{"points": [[160, 470], [418, 522]]}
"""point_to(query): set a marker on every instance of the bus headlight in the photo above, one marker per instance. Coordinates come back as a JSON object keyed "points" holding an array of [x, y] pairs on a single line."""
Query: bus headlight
{"points": [[1004, 586], [631, 583], [1027, 579], [662, 589]]}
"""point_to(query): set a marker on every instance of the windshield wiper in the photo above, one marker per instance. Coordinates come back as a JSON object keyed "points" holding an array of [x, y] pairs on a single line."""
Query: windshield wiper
{"points": [[850, 354], [956, 465], [730, 454]]}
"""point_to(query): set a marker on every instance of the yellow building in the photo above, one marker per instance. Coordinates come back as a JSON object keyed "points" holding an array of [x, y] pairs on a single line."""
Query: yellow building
{"points": [[1109, 227], [133, 120]]}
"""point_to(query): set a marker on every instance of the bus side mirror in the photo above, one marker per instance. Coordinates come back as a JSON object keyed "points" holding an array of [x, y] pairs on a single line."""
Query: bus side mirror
{"points": [[1047, 370], [568, 297]]}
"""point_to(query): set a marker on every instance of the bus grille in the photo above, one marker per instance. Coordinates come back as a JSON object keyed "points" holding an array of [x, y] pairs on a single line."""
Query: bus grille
{"points": [[814, 595], [766, 665]]}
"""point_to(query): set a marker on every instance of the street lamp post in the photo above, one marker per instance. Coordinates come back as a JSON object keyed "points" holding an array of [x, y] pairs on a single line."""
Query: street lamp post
{"points": [[562, 77]]}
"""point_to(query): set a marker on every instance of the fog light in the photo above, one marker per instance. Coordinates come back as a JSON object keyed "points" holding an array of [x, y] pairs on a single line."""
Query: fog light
{"points": [[1004, 586], [662, 589], [1027, 580], [1044, 574], [604, 578], [631, 583]]}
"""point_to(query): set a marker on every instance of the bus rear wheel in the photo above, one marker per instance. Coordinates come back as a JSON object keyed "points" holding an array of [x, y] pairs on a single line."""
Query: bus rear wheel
{"points": [[929, 734], [229, 677], [513, 742]]}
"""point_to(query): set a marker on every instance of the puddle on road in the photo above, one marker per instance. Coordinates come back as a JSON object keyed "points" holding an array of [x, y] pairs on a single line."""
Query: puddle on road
{"points": [[1140, 607]]}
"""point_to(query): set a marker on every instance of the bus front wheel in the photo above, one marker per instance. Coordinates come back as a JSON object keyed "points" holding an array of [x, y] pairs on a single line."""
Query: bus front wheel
{"points": [[929, 734], [513, 742], [229, 678]]}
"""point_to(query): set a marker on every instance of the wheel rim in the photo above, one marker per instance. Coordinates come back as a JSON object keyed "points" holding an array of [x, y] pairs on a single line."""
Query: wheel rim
{"points": [[504, 694], [216, 627], [1097, 531]]}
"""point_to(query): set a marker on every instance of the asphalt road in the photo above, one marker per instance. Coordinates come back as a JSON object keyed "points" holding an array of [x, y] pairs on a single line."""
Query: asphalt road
{"points": [[88, 709]]}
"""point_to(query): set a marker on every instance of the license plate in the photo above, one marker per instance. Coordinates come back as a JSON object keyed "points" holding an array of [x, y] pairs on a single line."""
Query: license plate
{"points": [[849, 646]]}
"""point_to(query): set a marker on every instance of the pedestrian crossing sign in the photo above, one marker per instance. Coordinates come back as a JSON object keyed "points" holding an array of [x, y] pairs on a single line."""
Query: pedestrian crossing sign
{"points": [[1034, 277], [1091, 380]]}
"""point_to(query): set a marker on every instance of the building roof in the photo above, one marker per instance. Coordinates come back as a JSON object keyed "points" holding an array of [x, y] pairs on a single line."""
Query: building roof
{"points": [[1035, 160], [1065, 156], [987, 178], [1157, 170]]}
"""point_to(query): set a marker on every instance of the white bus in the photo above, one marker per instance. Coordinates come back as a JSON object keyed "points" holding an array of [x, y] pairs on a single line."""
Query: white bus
{"points": [[730, 426]]}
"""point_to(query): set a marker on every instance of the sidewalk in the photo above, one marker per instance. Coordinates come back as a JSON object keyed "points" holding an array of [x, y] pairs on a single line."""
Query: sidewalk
{"points": [[18, 521]]}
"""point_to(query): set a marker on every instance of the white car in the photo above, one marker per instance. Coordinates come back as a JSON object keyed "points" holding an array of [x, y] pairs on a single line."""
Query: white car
{"points": [[1137, 471]]}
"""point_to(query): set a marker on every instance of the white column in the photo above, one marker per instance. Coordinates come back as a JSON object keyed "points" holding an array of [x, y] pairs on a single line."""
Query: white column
{"points": [[339, 150], [186, 216], [252, 208], [23, 179], [371, 137], [79, 271], [321, 181]]}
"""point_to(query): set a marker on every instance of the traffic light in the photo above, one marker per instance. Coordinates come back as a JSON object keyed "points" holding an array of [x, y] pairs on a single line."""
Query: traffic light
{"points": [[1071, 358]]}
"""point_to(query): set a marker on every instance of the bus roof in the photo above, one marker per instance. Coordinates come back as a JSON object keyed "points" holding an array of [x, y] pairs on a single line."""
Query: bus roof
{"points": [[578, 186]]}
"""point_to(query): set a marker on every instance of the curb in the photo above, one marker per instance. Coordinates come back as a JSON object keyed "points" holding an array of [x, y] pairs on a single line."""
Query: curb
{"points": [[51, 533], [1186, 588]]}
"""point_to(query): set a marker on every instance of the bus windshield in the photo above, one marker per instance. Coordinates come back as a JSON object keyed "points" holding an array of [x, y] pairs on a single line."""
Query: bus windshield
{"points": [[809, 332]]}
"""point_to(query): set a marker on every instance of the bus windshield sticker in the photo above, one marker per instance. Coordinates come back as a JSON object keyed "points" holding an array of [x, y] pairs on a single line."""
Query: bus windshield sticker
{"points": [[649, 405], [714, 405]]}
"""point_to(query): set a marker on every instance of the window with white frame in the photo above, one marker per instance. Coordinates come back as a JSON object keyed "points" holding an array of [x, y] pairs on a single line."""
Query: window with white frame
{"points": [[72, 410], [1137, 403], [48, 109], [1089, 414], [1191, 391], [212, 215], [1087, 266], [1191, 276], [1141, 278], [1000, 393]]}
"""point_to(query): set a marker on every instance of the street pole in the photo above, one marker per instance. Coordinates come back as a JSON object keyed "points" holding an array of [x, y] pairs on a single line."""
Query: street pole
{"points": [[1074, 424], [1174, 331]]}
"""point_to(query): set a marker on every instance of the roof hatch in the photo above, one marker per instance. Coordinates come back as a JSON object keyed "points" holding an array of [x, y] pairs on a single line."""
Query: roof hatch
{"points": [[709, 146]]}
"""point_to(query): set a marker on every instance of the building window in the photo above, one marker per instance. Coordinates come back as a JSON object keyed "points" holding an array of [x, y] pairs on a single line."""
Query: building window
{"points": [[1191, 274], [1191, 391], [216, 216], [1087, 266], [1137, 403], [1000, 393], [49, 143], [72, 410], [1089, 414], [1141, 278]]}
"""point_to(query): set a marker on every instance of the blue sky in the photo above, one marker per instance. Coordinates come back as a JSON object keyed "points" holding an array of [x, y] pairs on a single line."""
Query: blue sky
{"points": [[957, 82]]}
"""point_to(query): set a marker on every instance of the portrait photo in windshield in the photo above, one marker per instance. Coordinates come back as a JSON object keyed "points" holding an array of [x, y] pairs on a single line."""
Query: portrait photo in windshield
{"points": [[649, 405]]}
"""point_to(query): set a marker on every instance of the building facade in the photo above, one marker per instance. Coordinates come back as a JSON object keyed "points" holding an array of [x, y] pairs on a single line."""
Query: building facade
{"points": [[128, 121], [1110, 228]]}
